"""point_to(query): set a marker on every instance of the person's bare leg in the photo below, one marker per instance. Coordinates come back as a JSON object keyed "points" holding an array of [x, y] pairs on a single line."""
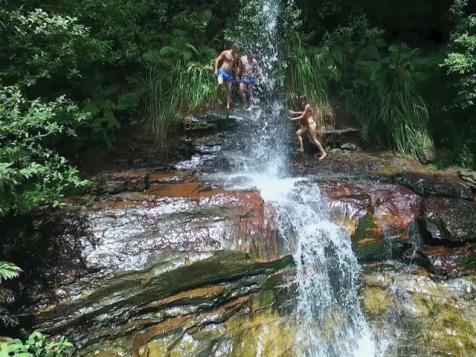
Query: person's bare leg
{"points": [[219, 84], [300, 133], [243, 94], [250, 93], [228, 95], [313, 134]]}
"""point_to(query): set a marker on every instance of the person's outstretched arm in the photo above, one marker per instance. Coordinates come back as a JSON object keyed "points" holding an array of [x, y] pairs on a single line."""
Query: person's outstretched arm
{"points": [[293, 112], [296, 118]]}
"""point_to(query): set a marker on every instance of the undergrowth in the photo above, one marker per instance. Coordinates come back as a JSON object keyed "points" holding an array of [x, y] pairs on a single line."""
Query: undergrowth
{"points": [[185, 90]]}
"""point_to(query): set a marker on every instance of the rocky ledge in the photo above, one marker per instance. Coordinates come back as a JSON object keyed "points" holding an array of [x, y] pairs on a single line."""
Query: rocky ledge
{"points": [[161, 262]]}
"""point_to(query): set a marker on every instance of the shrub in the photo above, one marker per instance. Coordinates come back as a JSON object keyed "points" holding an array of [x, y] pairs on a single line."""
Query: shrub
{"points": [[37, 345], [32, 173]]}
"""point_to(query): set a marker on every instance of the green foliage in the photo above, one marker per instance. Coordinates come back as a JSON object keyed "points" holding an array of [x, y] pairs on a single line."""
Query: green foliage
{"points": [[184, 91], [37, 345], [8, 271], [460, 65], [46, 46], [385, 92], [309, 71], [460, 62], [180, 76], [379, 84], [31, 172], [243, 30]]}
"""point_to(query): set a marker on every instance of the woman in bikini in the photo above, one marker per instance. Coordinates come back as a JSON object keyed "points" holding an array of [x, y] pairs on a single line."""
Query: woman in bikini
{"points": [[308, 127]]}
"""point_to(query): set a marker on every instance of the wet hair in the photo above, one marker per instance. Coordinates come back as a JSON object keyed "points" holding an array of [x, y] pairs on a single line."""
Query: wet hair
{"points": [[303, 101], [235, 47]]}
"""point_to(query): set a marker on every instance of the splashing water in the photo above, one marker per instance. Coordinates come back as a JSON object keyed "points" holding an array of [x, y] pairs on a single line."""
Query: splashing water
{"points": [[328, 315]]}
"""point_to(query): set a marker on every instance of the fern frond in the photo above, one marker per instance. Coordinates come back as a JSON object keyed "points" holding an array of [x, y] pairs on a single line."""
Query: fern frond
{"points": [[8, 271]]}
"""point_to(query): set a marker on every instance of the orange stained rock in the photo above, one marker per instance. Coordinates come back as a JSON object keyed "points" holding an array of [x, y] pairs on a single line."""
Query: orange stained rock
{"points": [[186, 189], [250, 217], [441, 251], [153, 176], [367, 241], [161, 328], [208, 291], [175, 323]]}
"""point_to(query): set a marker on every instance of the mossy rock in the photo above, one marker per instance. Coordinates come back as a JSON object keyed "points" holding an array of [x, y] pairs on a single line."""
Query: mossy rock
{"points": [[445, 327], [368, 240], [375, 301]]}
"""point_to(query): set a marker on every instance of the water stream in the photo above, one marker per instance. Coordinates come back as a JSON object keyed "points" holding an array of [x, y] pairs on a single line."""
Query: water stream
{"points": [[328, 314]]}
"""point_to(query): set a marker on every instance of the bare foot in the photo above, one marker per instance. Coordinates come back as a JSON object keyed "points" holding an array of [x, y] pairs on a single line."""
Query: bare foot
{"points": [[323, 155], [301, 149]]}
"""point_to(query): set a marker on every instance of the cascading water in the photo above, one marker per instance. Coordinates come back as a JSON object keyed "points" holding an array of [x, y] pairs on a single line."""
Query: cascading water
{"points": [[328, 315]]}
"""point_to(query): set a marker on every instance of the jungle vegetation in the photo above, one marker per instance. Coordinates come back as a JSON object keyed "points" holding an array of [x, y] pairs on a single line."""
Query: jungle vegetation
{"points": [[74, 74]]}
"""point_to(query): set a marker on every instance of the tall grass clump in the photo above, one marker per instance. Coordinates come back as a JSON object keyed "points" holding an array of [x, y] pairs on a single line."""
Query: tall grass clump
{"points": [[378, 84], [385, 94], [175, 92], [311, 73], [308, 70]]}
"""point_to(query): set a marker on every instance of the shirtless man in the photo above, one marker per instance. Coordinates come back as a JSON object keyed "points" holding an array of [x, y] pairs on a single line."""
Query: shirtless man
{"points": [[308, 126], [228, 59], [248, 70]]}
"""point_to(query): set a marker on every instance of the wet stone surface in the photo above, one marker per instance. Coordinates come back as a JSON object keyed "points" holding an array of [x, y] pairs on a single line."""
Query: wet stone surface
{"points": [[449, 220], [170, 262]]}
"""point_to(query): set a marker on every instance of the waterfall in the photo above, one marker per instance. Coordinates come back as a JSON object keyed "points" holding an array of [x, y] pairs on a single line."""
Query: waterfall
{"points": [[328, 314]]}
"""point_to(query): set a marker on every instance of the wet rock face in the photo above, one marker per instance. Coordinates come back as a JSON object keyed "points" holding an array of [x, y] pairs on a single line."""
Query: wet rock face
{"points": [[165, 257], [378, 215], [416, 315], [170, 263], [427, 185], [449, 262], [187, 217], [449, 220], [174, 295]]}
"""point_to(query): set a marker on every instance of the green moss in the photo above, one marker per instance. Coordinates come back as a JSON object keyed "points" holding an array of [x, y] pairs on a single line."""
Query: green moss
{"points": [[368, 242], [445, 327], [375, 301]]}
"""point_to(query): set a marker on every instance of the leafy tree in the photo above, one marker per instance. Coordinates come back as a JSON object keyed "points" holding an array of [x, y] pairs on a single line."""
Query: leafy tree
{"points": [[460, 65], [32, 173], [460, 62]]}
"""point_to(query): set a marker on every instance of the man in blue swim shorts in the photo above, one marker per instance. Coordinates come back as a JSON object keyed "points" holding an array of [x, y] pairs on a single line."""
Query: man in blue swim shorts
{"points": [[229, 61], [248, 71]]}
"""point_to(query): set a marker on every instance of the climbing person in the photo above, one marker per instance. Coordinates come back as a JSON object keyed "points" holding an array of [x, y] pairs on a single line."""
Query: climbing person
{"points": [[248, 71], [308, 126], [228, 59]]}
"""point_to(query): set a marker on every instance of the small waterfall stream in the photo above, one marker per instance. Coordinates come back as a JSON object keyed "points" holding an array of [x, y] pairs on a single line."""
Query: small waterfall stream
{"points": [[328, 315]]}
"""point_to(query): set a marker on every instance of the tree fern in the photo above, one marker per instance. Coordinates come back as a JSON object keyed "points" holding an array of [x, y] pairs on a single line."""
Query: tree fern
{"points": [[8, 271]]}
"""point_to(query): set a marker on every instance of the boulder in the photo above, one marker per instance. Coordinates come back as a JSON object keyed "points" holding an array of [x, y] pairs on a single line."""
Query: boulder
{"points": [[434, 185], [449, 262], [449, 220], [379, 216]]}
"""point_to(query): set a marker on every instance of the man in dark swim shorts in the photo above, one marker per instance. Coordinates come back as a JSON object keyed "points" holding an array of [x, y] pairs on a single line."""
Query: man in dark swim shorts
{"points": [[228, 59], [249, 69]]}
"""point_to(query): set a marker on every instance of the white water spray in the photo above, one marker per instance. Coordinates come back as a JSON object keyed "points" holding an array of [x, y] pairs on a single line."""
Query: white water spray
{"points": [[328, 315], [329, 319]]}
